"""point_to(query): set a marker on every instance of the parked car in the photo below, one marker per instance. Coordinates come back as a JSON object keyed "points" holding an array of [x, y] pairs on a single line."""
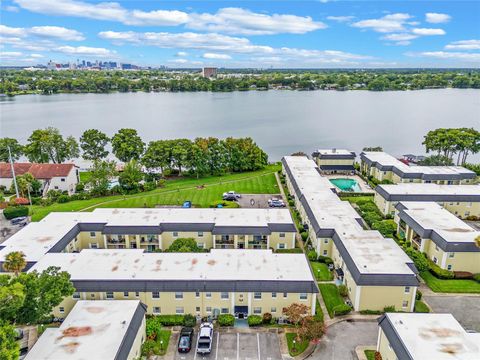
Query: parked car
{"points": [[230, 197], [185, 340], [232, 193], [205, 338], [187, 204], [18, 220], [277, 204]]}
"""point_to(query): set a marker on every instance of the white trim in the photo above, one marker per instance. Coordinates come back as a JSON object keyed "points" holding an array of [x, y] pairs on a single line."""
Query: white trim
{"points": [[293, 240], [444, 260], [314, 303], [378, 338], [249, 302], [358, 290], [232, 294], [414, 297]]}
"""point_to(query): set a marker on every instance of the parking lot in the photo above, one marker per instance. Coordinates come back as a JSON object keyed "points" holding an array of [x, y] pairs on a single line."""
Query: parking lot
{"points": [[239, 346], [256, 201], [466, 309]]}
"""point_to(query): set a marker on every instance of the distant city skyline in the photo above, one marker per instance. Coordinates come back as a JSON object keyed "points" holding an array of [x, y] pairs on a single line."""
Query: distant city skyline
{"points": [[281, 34]]}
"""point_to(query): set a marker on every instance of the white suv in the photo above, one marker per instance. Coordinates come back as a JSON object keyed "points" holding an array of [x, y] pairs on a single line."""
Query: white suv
{"points": [[205, 338]]}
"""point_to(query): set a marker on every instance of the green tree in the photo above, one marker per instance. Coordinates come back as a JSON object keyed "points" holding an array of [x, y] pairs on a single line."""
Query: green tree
{"points": [[9, 347], [14, 262], [181, 153], [131, 175], [127, 145], [101, 172], [373, 148], [436, 160], [93, 143], [26, 183], [184, 245], [12, 297], [45, 145], [158, 155], [15, 148]]}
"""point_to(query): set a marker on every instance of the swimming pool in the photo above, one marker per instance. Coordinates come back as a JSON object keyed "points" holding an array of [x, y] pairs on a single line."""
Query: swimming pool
{"points": [[346, 184]]}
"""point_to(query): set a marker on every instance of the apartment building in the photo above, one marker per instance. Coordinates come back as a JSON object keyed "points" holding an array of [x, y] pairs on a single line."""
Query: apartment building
{"points": [[375, 270], [383, 166], [448, 241], [95, 330], [425, 336], [153, 229], [460, 200], [334, 161], [239, 282]]}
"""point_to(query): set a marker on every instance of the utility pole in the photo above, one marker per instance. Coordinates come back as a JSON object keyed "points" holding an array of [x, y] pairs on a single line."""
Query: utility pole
{"points": [[13, 171]]}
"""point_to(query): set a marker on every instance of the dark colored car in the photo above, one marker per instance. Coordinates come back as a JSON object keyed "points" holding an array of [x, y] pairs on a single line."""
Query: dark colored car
{"points": [[18, 220], [185, 340]]}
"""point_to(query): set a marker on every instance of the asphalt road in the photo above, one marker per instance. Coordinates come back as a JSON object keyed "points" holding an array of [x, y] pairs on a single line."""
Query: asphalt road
{"points": [[466, 309]]}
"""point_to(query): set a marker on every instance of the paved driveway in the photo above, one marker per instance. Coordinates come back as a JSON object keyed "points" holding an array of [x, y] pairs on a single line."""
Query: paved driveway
{"points": [[342, 338], [256, 200], [466, 309], [237, 346]]}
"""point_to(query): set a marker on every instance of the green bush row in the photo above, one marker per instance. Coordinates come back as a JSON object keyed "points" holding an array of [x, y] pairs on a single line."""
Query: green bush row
{"points": [[438, 272], [226, 320], [12, 212], [341, 309], [254, 320], [289, 251]]}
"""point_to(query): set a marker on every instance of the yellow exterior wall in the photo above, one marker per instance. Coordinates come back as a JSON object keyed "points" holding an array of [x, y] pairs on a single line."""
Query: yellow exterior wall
{"points": [[384, 348], [378, 297], [135, 351], [343, 162]]}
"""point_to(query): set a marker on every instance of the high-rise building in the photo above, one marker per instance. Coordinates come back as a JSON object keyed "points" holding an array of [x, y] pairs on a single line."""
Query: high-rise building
{"points": [[209, 72]]}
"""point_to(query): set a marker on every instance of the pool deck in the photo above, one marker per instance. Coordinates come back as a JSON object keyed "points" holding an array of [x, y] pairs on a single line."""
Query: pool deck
{"points": [[363, 184]]}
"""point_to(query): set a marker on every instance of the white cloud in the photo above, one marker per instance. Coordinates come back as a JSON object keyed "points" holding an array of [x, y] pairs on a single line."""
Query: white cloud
{"points": [[341, 18], [462, 56], [181, 53], [84, 50], [11, 31], [428, 32], [386, 24], [10, 54], [156, 17], [178, 61], [12, 8], [36, 56], [399, 37], [437, 18], [246, 22], [54, 32], [216, 56], [464, 45]]}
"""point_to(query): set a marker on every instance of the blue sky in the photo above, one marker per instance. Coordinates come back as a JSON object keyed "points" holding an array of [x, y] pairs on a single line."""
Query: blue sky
{"points": [[309, 34]]}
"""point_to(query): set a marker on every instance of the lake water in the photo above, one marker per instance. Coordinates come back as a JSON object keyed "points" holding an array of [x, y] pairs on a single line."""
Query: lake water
{"points": [[281, 122]]}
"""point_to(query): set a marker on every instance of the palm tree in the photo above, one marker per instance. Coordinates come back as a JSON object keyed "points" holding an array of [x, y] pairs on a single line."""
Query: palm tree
{"points": [[14, 262]]}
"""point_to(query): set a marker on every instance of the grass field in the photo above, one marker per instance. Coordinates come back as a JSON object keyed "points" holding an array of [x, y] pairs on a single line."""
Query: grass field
{"points": [[300, 346], [331, 297], [321, 272], [176, 192], [370, 354], [421, 307], [450, 286]]}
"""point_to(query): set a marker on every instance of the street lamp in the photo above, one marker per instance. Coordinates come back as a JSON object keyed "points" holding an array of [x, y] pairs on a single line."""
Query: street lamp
{"points": [[294, 349]]}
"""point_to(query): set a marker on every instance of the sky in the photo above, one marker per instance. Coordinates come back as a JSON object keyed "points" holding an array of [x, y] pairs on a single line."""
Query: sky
{"points": [[259, 34]]}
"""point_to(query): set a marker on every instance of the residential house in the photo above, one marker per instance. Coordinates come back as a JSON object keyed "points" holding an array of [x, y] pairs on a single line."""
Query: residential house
{"points": [[334, 161]]}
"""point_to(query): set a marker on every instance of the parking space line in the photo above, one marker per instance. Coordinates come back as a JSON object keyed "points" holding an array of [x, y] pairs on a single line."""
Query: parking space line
{"points": [[238, 346], [258, 345], [195, 355], [216, 350]]}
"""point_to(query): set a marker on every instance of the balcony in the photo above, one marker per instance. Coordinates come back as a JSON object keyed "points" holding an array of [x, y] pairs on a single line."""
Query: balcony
{"points": [[417, 242], [149, 239], [258, 242], [115, 239]]}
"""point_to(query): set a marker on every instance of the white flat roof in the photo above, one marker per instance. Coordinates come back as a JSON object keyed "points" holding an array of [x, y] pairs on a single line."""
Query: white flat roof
{"points": [[38, 238], [370, 251], [334, 152], [385, 159], [92, 330], [430, 189], [435, 336], [431, 216], [218, 264]]}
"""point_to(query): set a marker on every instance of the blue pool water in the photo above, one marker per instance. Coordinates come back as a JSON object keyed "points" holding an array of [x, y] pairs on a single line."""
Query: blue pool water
{"points": [[346, 184]]}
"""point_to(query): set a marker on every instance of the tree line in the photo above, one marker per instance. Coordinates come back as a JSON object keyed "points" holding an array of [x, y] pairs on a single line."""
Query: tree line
{"points": [[80, 81], [449, 143]]}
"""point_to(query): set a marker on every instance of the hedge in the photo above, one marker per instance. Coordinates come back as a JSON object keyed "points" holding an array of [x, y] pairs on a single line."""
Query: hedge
{"points": [[254, 320], [325, 260], [12, 212], [341, 309], [170, 320], [226, 319], [289, 251], [476, 277], [189, 320], [440, 273]]}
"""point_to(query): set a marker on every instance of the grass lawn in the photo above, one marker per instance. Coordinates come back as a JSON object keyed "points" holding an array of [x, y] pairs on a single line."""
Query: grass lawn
{"points": [[321, 272], [450, 286], [331, 297], [319, 312], [300, 346], [370, 354], [176, 192], [355, 199], [85, 176], [163, 339], [421, 307]]}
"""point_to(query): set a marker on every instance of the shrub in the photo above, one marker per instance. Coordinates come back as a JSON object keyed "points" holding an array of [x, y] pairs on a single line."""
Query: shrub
{"points": [[254, 320], [226, 320], [289, 251], [312, 255], [79, 187], [386, 227], [148, 347], [343, 290], [15, 211], [170, 320], [153, 326], [371, 312], [304, 235], [149, 186], [371, 217], [325, 260], [291, 203], [463, 275], [63, 199], [419, 259], [476, 277], [440, 273], [189, 320], [267, 318], [390, 308], [418, 296], [341, 309]]}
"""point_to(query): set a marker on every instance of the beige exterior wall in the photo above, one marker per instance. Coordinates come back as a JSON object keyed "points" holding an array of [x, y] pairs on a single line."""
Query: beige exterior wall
{"points": [[135, 351], [378, 297], [202, 303], [384, 348], [344, 162]]}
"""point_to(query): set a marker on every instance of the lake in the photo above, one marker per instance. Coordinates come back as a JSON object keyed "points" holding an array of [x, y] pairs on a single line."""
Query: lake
{"points": [[281, 122]]}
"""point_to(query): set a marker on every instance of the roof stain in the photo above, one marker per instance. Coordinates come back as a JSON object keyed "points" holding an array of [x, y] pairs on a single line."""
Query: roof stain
{"points": [[71, 347], [76, 331], [95, 309]]}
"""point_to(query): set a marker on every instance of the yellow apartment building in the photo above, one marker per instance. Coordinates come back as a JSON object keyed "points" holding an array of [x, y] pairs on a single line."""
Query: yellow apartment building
{"points": [[334, 161]]}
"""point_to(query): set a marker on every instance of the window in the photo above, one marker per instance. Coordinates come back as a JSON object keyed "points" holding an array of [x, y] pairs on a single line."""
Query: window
{"points": [[282, 235], [257, 295], [156, 310], [303, 296], [257, 310], [208, 295], [92, 295], [197, 309], [76, 295], [56, 187], [62, 179], [61, 309], [92, 234], [109, 295], [93, 246], [285, 295], [224, 295], [451, 255], [407, 289], [449, 267], [224, 310], [133, 245], [325, 241], [405, 303], [175, 233], [274, 295], [435, 260], [273, 310], [281, 246], [179, 310], [209, 309], [155, 295], [197, 294], [325, 252], [200, 234], [201, 245], [179, 295], [125, 294], [467, 213]]}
